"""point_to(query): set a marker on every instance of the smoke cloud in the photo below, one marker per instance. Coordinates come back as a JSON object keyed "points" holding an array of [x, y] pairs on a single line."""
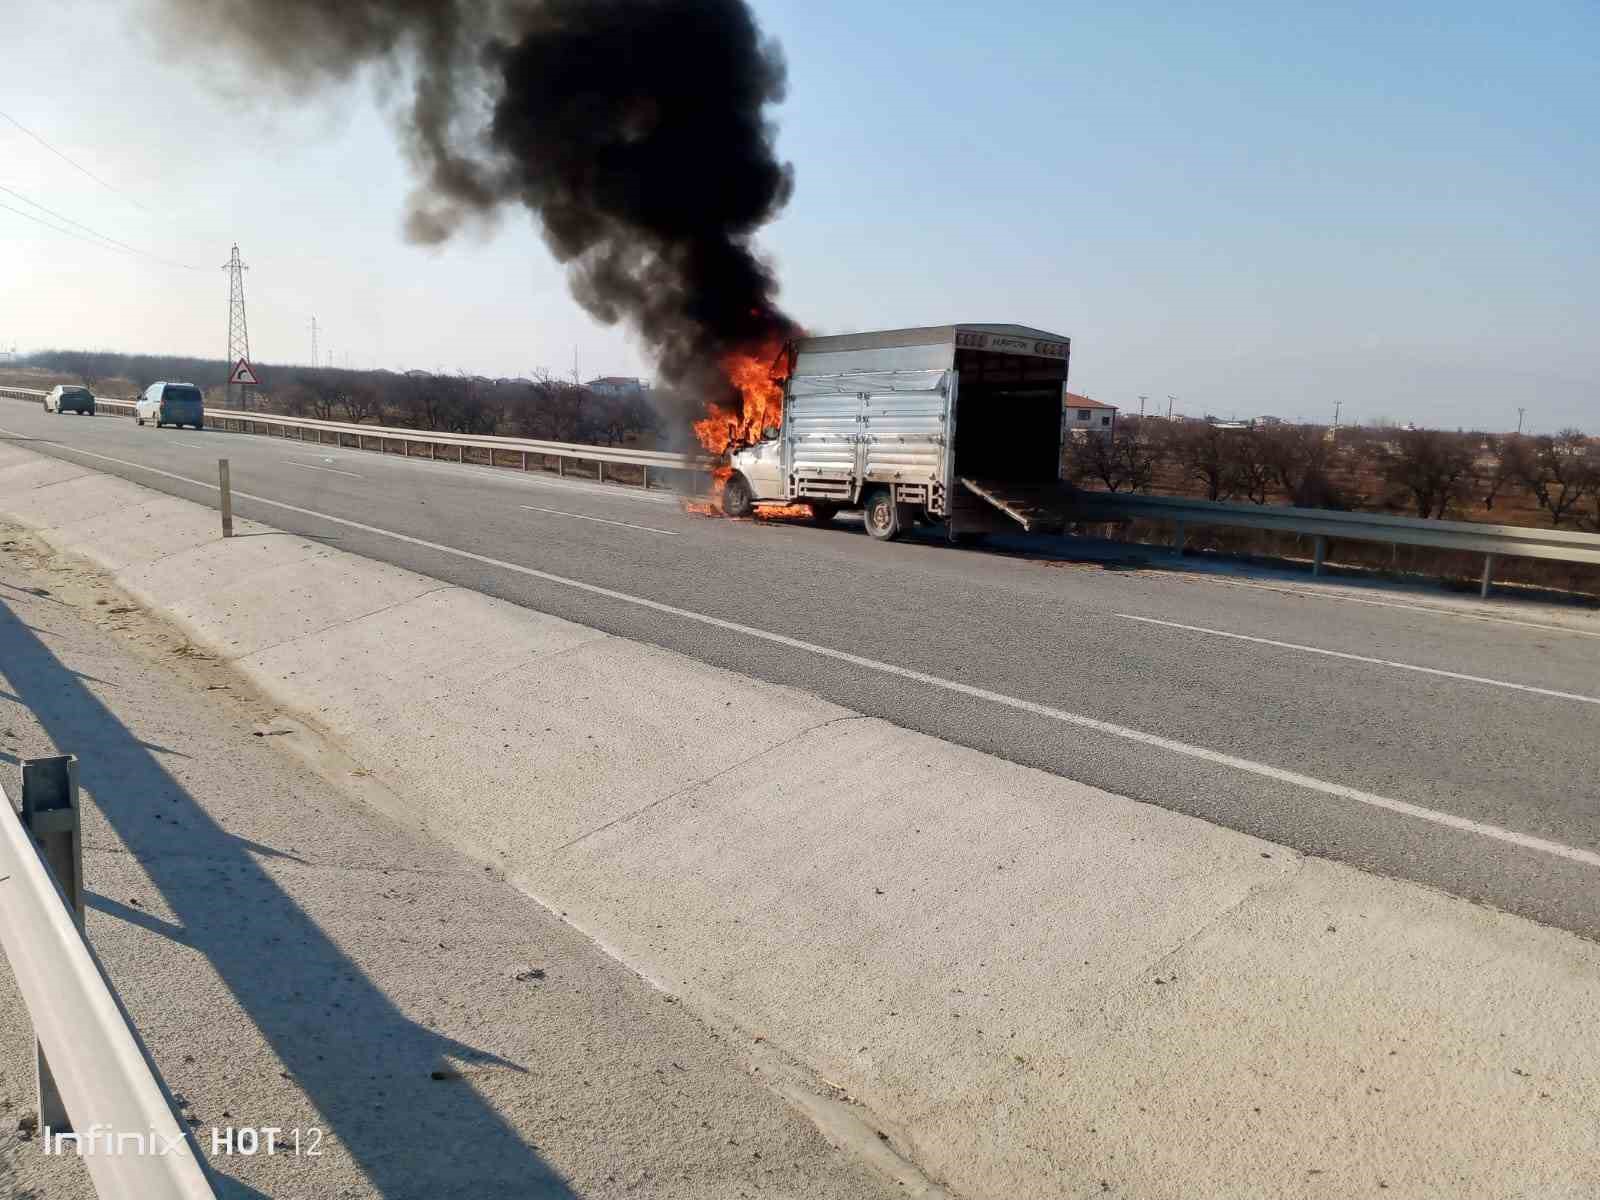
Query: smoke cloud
{"points": [[635, 130]]}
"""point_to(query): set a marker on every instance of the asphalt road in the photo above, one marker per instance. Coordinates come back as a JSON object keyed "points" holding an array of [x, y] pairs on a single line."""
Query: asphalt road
{"points": [[1402, 737]]}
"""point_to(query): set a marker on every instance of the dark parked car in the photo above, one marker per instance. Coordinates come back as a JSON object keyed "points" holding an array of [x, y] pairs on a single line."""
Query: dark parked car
{"points": [[65, 397]]}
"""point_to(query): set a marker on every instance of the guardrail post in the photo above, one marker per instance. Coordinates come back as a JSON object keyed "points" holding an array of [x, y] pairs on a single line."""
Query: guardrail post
{"points": [[1488, 576], [561, 465], [647, 477], [50, 815], [1319, 554], [601, 465], [226, 489], [524, 460], [1177, 538]]}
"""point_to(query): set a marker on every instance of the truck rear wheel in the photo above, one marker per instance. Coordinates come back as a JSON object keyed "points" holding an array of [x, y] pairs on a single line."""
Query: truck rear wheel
{"points": [[737, 498], [886, 520]]}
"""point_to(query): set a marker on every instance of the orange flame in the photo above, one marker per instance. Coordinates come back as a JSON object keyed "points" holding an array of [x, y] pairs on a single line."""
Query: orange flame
{"points": [[757, 375], [758, 378]]}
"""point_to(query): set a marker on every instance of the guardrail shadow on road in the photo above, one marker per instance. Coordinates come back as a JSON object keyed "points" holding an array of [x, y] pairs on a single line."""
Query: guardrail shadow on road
{"points": [[263, 946]]}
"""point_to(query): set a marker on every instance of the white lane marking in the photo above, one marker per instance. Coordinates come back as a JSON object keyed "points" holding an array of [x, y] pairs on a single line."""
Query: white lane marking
{"points": [[599, 520], [1421, 608], [1245, 765], [196, 445], [1379, 662], [311, 467]]}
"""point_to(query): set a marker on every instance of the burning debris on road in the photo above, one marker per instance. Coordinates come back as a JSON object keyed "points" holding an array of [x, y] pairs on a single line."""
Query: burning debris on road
{"points": [[635, 131]]}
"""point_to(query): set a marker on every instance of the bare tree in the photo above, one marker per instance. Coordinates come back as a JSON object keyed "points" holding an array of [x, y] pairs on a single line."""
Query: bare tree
{"points": [[1126, 461], [1094, 456], [1250, 462], [359, 401], [1559, 473], [1505, 469], [1301, 458], [1206, 457], [1138, 454], [1434, 469]]}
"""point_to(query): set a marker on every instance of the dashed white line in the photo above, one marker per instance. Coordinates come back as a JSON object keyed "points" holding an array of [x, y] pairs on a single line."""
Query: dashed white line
{"points": [[196, 445], [1431, 610], [1362, 658], [599, 520], [312, 467], [1244, 765]]}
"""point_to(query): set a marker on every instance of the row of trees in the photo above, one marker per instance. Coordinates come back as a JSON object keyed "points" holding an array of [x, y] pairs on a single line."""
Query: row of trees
{"points": [[1431, 473], [542, 407]]}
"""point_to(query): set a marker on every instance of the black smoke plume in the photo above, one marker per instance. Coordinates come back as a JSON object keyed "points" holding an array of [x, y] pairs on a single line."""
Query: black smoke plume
{"points": [[635, 130]]}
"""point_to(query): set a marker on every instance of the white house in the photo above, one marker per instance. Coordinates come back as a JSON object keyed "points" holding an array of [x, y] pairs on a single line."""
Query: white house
{"points": [[1084, 414]]}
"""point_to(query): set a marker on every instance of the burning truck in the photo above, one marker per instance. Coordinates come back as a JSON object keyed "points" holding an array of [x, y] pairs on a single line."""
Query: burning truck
{"points": [[960, 426]]}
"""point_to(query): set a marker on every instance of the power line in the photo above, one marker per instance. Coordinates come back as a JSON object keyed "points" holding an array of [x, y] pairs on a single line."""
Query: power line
{"points": [[58, 229], [70, 163], [110, 242]]}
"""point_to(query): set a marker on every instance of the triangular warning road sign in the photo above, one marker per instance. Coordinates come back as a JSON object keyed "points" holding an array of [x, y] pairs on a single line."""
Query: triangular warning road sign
{"points": [[243, 373]]}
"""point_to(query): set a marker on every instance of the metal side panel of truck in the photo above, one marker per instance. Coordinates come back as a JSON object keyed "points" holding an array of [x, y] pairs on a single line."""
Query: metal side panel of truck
{"points": [[843, 432], [954, 424]]}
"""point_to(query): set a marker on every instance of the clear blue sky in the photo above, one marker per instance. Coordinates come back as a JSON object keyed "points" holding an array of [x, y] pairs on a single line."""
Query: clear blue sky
{"points": [[1257, 208]]}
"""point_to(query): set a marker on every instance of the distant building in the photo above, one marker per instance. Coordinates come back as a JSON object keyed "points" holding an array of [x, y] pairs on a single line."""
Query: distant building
{"points": [[617, 385], [1086, 415]]}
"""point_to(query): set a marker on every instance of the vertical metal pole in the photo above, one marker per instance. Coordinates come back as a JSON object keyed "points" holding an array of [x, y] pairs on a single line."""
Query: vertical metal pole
{"points": [[1177, 539], [1319, 554], [50, 815], [602, 467], [430, 450], [647, 477], [461, 454], [1488, 576], [227, 497], [524, 460], [561, 465]]}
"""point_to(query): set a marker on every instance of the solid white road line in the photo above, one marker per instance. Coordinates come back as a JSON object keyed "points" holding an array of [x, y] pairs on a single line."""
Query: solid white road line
{"points": [[310, 467], [599, 520], [1431, 610], [1262, 770], [1362, 658]]}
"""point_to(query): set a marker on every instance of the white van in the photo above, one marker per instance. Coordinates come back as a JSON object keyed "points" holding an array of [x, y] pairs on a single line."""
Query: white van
{"points": [[177, 404]]}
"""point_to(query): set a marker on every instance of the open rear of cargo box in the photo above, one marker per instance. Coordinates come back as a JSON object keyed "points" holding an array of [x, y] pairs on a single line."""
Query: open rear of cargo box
{"points": [[1008, 443]]}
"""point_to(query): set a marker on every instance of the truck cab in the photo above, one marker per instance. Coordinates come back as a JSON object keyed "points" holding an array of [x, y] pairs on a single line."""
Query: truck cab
{"points": [[956, 425]]}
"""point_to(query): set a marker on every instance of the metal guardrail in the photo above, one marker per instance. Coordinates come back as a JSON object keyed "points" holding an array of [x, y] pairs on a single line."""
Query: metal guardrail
{"points": [[100, 1095], [1492, 541], [382, 437]]}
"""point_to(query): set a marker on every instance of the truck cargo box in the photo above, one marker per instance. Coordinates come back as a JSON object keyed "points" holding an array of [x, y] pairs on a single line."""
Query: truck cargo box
{"points": [[961, 424]]}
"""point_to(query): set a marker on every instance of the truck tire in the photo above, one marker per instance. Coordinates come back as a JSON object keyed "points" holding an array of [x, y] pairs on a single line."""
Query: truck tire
{"points": [[823, 513], [737, 498], [885, 519]]}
